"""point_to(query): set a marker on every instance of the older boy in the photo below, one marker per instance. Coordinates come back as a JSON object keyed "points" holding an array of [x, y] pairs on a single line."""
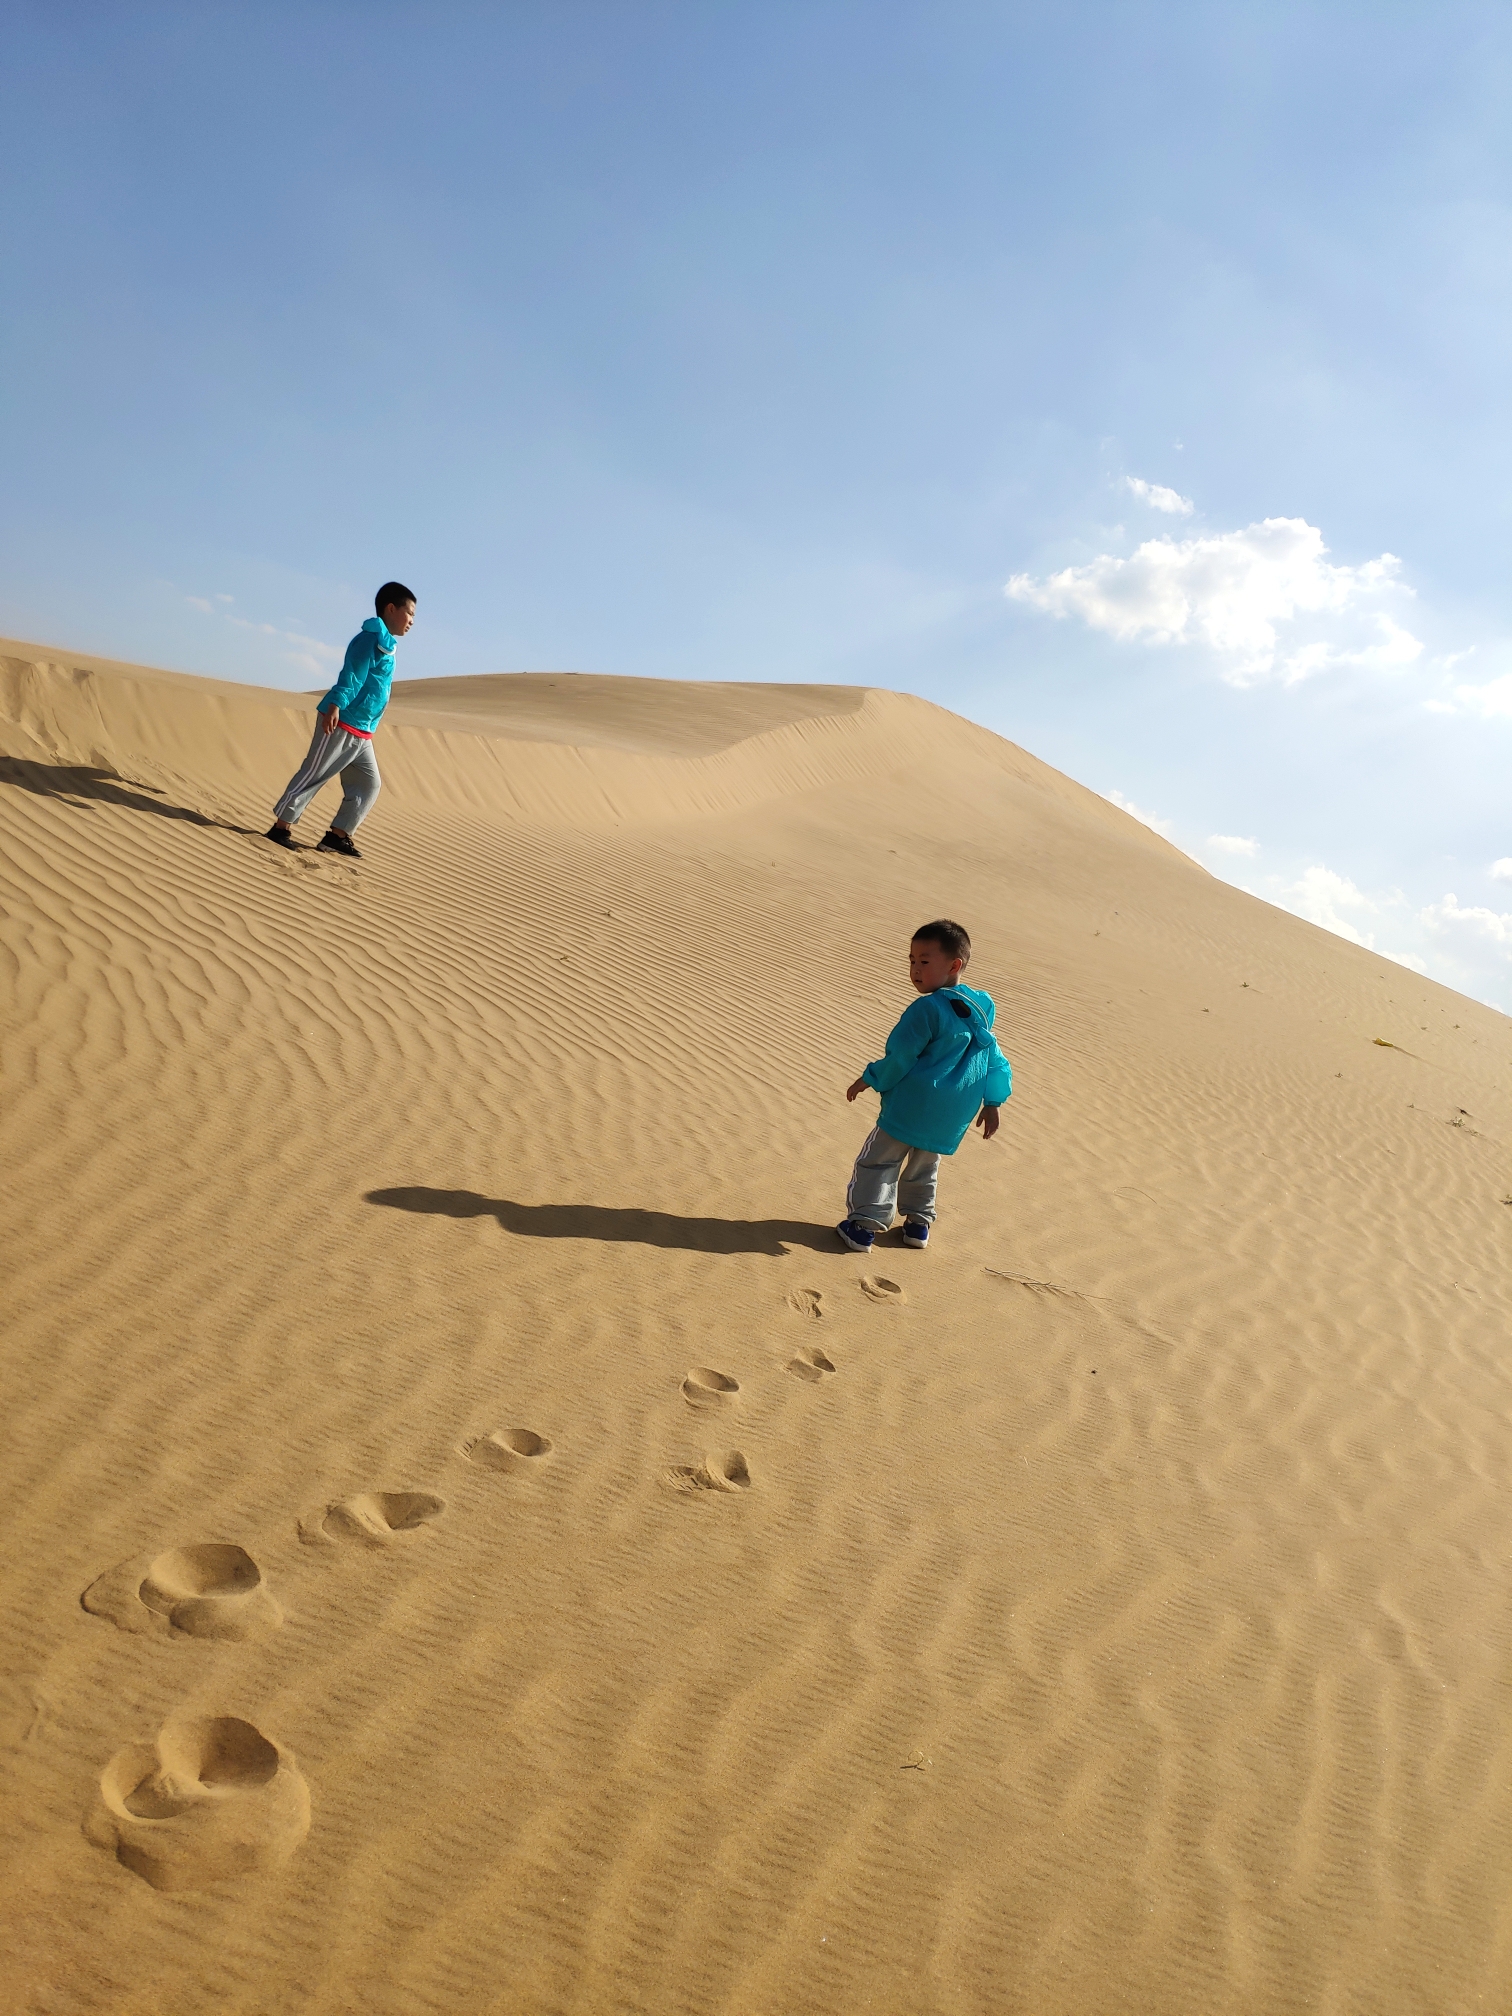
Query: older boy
{"points": [[943, 1068], [345, 722]]}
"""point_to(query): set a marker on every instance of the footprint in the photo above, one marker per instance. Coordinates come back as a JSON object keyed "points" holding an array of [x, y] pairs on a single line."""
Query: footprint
{"points": [[374, 1518], [880, 1289], [721, 1470], [807, 1302], [212, 1589], [810, 1364], [506, 1448], [26, 1712], [212, 1798], [706, 1388]]}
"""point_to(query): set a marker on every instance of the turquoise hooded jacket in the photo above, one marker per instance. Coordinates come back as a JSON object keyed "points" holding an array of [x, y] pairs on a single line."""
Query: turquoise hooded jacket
{"points": [[362, 691], [943, 1065]]}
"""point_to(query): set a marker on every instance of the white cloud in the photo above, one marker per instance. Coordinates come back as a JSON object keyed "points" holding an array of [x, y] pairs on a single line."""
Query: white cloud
{"points": [[1323, 898], [1230, 843], [1494, 925], [1333, 902], [1501, 871], [1230, 591], [1491, 701], [307, 653], [1159, 498], [1160, 826]]}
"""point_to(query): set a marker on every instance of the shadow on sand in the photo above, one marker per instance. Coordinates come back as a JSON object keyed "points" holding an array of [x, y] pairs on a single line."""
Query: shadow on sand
{"points": [[73, 781], [617, 1227]]}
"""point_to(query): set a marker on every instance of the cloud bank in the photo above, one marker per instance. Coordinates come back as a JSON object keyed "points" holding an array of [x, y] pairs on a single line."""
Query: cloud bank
{"points": [[308, 653], [1156, 824], [1332, 901], [1492, 701], [1450, 915], [1234, 592]]}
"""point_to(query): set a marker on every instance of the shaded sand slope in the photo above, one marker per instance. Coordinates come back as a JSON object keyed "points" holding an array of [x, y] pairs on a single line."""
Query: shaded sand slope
{"points": [[1121, 1624]]}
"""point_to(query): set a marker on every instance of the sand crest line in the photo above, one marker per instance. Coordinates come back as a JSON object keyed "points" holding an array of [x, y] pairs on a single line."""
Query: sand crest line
{"points": [[1048, 1287]]}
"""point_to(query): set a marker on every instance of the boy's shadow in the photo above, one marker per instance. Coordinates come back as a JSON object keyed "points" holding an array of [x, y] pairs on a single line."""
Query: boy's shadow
{"points": [[73, 781], [617, 1227]]}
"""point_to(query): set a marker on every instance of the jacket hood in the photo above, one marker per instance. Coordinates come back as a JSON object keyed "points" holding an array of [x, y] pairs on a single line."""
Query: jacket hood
{"points": [[967, 1003]]}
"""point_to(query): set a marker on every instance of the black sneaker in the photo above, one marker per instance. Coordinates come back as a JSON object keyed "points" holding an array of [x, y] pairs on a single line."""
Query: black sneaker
{"points": [[282, 836], [916, 1233], [338, 843], [859, 1237]]}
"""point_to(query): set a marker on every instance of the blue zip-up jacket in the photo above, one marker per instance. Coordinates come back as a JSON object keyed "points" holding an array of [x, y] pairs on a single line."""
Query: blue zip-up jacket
{"points": [[942, 1066], [362, 691]]}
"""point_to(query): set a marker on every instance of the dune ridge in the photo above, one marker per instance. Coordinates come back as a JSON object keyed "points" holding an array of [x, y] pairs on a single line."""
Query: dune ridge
{"points": [[419, 1284]]}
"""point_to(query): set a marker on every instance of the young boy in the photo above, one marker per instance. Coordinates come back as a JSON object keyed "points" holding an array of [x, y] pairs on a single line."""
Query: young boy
{"points": [[943, 1069], [345, 723]]}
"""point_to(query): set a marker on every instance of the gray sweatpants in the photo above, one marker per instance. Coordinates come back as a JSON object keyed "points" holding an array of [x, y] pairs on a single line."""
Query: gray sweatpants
{"points": [[341, 752], [889, 1176]]}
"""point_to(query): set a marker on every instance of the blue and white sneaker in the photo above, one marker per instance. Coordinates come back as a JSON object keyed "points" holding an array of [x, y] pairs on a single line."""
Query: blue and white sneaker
{"points": [[916, 1232], [860, 1238]]}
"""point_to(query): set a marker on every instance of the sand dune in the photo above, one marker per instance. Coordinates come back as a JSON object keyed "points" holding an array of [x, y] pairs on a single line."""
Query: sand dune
{"points": [[475, 1543]]}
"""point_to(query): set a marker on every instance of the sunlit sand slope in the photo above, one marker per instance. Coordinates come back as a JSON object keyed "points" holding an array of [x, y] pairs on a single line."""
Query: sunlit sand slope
{"points": [[474, 1543]]}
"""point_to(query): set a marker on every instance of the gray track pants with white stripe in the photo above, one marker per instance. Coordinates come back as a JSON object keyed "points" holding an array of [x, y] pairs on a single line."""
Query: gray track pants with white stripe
{"points": [[889, 1176], [341, 752]]}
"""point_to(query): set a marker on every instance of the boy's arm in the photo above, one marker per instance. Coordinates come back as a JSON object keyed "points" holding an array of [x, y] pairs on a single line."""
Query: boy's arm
{"points": [[998, 1085], [905, 1046], [354, 669]]}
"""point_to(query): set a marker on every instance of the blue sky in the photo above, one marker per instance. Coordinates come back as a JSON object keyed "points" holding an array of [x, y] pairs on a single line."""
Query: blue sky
{"points": [[775, 342]]}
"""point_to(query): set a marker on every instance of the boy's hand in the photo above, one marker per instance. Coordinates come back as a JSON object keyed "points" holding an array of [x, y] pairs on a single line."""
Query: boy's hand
{"points": [[851, 1091], [327, 721], [987, 1120]]}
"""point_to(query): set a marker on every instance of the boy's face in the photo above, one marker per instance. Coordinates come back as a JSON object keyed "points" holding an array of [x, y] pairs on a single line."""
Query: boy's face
{"points": [[397, 619], [931, 967]]}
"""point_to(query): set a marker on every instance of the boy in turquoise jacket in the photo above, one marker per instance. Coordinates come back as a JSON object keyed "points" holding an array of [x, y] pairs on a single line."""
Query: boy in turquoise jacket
{"points": [[943, 1069], [346, 721]]}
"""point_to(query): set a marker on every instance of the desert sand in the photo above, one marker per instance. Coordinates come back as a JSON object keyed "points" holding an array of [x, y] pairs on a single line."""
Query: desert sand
{"points": [[473, 1542]]}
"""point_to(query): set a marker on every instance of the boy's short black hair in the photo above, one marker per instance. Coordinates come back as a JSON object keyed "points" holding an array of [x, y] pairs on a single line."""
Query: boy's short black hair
{"points": [[392, 591], [954, 940]]}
